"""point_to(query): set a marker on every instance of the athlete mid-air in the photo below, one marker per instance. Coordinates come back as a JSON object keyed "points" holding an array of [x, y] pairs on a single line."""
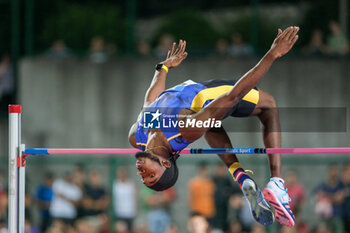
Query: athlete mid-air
{"points": [[172, 119]]}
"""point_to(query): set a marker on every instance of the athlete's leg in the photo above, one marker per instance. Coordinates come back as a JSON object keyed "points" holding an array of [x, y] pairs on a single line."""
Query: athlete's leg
{"points": [[261, 210], [266, 111], [274, 192], [218, 138]]}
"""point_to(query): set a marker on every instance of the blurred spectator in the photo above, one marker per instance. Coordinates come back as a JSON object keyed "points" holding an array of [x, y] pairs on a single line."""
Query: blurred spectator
{"points": [[44, 195], [79, 180], [3, 199], [346, 203], [223, 190], [316, 46], [103, 224], [197, 224], [28, 201], [66, 195], [79, 175], [3, 228], [143, 48], [140, 228], [286, 229], [337, 43], [330, 196], [235, 227], [172, 228], [124, 197], [322, 228], [95, 200], [57, 226], [222, 48], [99, 224], [83, 226], [6, 79], [158, 205], [258, 228], [98, 51], [164, 45], [238, 47], [28, 228], [58, 50], [121, 227], [111, 49], [201, 193], [239, 210], [296, 192]]}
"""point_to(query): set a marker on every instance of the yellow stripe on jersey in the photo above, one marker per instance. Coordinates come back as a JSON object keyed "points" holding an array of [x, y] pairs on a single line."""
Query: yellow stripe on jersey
{"points": [[252, 96], [172, 137], [214, 92], [208, 94], [140, 143]]}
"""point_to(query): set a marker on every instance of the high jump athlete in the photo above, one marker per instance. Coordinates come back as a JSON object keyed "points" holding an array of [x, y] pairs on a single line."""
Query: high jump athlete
{"points": [[172, 119]]}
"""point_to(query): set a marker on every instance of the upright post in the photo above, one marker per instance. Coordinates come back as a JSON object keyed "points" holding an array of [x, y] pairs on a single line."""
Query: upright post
{"points": [[21, 179], [14, 149]]}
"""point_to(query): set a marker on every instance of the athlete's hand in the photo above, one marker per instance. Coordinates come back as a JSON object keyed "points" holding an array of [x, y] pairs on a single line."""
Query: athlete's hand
{"points": [[284, 41], [176, 55]]}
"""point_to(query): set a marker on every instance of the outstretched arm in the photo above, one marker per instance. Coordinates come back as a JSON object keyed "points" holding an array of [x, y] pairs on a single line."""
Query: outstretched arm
{"points": [[218, 138], [283, 42], [175, 56], [218, 108]]}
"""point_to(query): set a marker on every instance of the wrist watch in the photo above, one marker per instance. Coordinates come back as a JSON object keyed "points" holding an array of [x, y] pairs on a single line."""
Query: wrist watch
{"points": [[161, 66]]}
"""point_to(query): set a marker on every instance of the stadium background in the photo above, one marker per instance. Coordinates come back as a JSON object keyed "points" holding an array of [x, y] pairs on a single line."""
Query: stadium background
{"points": [[78, 102]]}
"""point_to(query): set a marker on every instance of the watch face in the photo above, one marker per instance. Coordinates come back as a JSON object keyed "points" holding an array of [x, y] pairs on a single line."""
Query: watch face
{"points": [[159, 66]]}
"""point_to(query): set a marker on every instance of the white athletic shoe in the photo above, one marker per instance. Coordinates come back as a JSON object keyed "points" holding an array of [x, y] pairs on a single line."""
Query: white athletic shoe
{"points": [[277, 196], [261, 210]]}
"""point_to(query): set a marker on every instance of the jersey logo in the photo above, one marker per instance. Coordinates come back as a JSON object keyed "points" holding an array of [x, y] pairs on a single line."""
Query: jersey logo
{"points": [[151, 120]]}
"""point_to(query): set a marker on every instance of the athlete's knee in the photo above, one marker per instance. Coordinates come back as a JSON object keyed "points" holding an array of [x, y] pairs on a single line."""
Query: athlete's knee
{"points": [[268, 107], [269, 101]]}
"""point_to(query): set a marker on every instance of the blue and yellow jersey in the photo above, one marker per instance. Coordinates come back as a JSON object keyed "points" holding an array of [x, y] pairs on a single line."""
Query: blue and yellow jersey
{"points": [[164, 111]]}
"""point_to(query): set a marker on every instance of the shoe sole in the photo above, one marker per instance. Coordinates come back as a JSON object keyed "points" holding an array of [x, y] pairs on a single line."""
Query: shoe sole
{"points": [[251, 194], [283, 213]]}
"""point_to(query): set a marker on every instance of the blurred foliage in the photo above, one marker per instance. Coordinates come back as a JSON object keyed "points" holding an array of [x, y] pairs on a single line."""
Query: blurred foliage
{"points": [[318, 16], [150, 8], [200, 33], [259, 31], [76, 24], [77, 21], [5, 28], [190, 25]]}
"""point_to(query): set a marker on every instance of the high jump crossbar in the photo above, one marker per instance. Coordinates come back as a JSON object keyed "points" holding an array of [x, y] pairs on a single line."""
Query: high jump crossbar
{"points": [[18, 153], [319, 150]]}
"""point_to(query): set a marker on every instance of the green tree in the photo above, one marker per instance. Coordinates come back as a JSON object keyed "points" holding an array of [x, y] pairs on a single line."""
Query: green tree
{"points": [[77, 24], [259, 31], [189, 25], [318, 16]]}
